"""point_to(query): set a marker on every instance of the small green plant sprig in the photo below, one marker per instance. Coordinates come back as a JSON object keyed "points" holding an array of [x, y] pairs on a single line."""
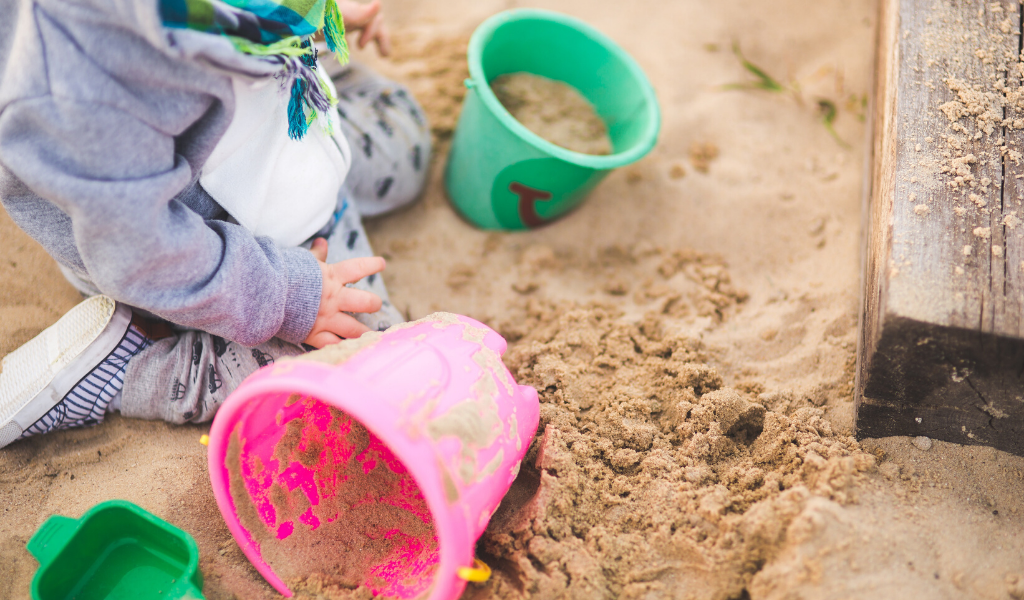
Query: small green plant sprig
{"points": [[828, 111], [764, 81], [826, 108]]}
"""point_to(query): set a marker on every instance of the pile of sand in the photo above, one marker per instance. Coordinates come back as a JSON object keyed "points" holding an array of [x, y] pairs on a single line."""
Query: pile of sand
{"points": [[650, 476]]}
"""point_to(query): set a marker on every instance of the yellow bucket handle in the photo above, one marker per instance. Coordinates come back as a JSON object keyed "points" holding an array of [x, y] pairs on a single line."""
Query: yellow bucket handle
{"points": [[478, 573]]}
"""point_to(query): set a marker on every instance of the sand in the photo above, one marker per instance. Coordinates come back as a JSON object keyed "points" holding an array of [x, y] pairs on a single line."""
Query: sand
{"points": [[703, 293], [553, 110], [359, 528], [651, 476]]}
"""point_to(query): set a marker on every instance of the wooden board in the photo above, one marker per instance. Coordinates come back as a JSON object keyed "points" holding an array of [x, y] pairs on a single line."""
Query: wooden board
{"points": [[941, 350]]}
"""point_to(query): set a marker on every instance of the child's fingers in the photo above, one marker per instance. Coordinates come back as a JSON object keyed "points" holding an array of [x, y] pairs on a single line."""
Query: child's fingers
{"points": [[321, 339], [344, 326], [384, 40], [371, 31], [359, 301], [354, 269], [319, 249], [357, 16]]}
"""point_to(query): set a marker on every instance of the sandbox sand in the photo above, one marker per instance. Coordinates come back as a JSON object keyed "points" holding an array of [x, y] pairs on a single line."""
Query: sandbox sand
{"points": [[691, 330]]}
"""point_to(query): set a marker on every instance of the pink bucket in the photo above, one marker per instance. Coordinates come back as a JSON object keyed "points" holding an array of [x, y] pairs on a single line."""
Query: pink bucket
{"points": [[380, 471]]}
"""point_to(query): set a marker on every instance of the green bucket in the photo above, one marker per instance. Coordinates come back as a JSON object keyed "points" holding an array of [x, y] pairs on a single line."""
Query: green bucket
{"points": [[501, 175], [116, 551]]}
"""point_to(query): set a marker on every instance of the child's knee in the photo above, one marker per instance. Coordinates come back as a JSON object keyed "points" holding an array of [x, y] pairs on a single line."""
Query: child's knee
{"points": [[390, 139]]}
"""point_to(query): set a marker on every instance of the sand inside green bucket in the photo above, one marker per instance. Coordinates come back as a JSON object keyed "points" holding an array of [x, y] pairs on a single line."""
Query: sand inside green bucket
{"points": [[553, 110]]}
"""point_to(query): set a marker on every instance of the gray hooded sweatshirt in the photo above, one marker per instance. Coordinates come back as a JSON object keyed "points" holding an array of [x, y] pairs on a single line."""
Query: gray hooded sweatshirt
{"points": [[106, 121]]}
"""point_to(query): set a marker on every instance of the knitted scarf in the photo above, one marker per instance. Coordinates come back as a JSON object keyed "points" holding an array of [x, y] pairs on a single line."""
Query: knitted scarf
{"points": [[279, 31]]}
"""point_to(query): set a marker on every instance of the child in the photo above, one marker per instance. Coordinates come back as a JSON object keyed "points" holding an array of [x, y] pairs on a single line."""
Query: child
{"points": [[194, 171]]}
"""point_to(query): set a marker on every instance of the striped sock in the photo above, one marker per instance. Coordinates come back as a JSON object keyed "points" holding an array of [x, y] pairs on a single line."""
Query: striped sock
{"points": [[87, 402]]}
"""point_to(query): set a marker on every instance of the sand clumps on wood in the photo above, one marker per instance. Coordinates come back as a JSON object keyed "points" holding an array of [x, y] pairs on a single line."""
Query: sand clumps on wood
{"points": [[649, 476], [553, 110], [974, 59], [982, 79], [958, 92]]}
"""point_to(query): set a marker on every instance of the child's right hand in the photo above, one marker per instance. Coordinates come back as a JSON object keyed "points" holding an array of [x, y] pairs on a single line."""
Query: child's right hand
{"points": [[332, 324], [368, 20]]}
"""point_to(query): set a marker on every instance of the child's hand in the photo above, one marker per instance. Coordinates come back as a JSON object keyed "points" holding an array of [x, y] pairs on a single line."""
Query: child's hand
{"points": [[332, 324], [368, 20]]}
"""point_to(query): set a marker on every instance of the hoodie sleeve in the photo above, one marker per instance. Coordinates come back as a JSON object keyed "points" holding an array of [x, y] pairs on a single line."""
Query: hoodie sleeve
{"points": [[105, 117], [117, 177]]}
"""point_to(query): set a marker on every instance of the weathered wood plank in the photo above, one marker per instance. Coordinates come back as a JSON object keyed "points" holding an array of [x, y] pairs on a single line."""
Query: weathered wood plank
{"points": [[942, 335]]}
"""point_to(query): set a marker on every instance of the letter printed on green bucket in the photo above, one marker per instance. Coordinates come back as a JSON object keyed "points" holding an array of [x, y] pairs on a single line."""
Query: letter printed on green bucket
{"points": [[531, 193]]}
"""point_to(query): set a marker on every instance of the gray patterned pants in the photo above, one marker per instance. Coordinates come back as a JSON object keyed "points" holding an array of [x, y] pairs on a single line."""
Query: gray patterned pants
{"points": [[187, 376]]}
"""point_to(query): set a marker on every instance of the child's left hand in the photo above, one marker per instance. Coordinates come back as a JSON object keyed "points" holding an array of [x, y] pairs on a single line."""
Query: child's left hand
{"points": [[368, 20], [332, 324]]}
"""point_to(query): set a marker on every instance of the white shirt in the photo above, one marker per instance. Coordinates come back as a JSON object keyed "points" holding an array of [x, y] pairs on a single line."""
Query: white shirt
{"points": [[269, 183]]}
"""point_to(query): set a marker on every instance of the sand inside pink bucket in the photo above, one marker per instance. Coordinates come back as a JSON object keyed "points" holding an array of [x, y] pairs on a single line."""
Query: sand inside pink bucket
{"points": [[370, 532]]}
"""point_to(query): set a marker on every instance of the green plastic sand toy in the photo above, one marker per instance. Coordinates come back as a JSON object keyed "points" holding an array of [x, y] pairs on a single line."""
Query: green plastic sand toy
{"points": [[500, 175], [116, 550]]}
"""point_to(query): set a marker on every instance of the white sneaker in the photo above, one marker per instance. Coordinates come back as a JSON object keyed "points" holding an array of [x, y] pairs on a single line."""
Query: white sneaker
{"points": [[36, 379]]}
